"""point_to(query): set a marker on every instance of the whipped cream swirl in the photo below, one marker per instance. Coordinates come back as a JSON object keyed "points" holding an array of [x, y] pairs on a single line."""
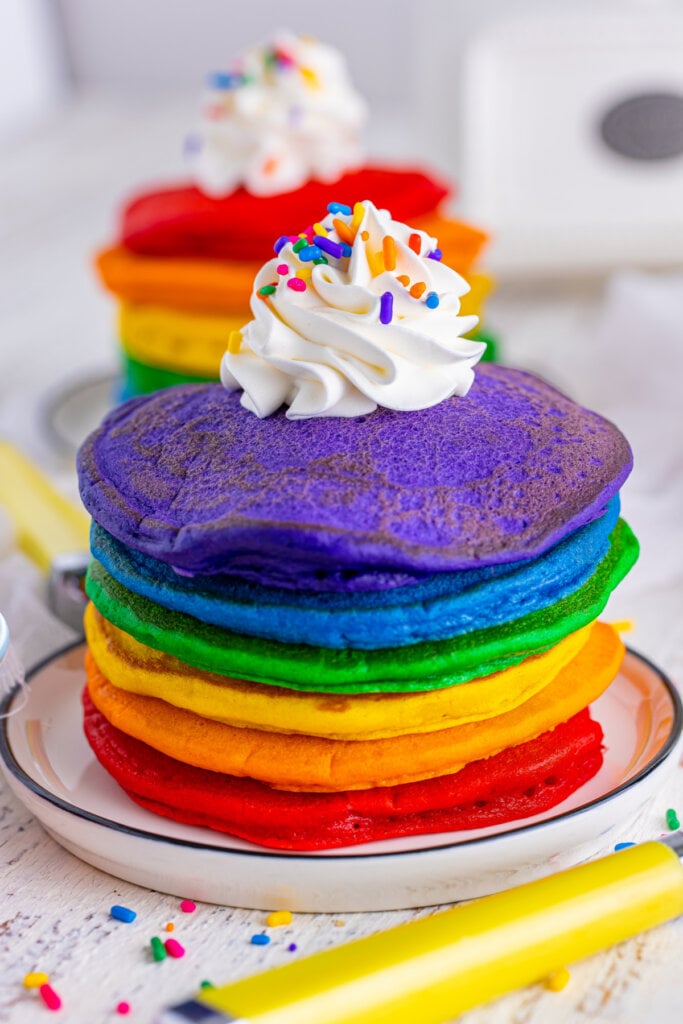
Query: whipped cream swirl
{"points": [[354, 313], [282, 114]]}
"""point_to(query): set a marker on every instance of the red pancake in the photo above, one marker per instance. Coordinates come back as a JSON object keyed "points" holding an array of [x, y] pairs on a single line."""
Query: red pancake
{"points": [[183, 221], [514, 784]]}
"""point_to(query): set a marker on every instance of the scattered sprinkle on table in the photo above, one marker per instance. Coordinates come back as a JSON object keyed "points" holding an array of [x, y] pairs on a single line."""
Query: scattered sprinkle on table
{"points": [[291, 948], [206, 984], [672, 819], [34, 979], [123, 1008], [50, 997], [158, 948], [260, 940], [170, 926], [622, 846], [124, 914], [279, 917], [558, 980], [339, 924], [188, 906], [174, 949]]}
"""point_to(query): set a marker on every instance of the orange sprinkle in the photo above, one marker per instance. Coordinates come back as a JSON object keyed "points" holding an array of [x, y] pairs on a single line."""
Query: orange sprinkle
{"points": [[417, 289], [365, 235], [170, 926], [234, 341], [389, 250], [344, 231], [270, 165], [415, 242], [403, 279]]}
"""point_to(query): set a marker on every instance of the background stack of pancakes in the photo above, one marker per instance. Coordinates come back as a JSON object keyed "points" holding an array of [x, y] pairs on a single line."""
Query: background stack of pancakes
{"points": [[322, 632], [184, 265]]}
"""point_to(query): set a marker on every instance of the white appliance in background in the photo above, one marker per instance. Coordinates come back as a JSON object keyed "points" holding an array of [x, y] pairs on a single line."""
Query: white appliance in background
{"points": [[32, 69], [572, 137]]}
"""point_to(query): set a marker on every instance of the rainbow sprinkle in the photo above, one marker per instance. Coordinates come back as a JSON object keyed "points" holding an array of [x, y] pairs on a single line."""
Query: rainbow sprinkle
{"points": [[431, 300], [386, 308], [278, 918], [435, 254], [282, 269], [672, 821], [309, 253], [188, 906], [389, 252], [158, 949], [50, 997], [35, 979], [124, 914], [280, 244], [260, 940], [335, 249], [123, 1007], [339, 208], [174, 949], [267, 289], [296, 284], [558, 980]]}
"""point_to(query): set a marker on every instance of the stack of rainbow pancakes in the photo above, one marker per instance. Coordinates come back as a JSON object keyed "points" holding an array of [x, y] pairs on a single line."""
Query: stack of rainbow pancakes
{"points": [[350, 593]]}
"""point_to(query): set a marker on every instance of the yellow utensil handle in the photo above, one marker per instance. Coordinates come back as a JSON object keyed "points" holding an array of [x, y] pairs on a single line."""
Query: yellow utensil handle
{"points": [[433, 969], [47, 524]]}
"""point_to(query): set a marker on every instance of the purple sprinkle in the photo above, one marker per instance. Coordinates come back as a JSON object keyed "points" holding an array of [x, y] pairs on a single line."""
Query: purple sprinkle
{"points": [[291, 947], [435, 254], [281, 242], [335, 249], [386, 307]]}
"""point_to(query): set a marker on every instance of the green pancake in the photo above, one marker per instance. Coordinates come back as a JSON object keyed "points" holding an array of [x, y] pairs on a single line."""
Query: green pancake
{"points": [[423, 666]]}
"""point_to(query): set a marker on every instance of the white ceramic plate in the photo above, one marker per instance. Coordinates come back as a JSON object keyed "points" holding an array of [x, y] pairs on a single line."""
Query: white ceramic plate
{"points": [[75, 408], [51, 769]]}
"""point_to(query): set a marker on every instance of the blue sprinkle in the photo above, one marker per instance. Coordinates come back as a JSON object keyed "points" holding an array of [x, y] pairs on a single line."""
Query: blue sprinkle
{"points": [[339, 208], [309, 252], [432, 300], [347, 250], [280, 244], [435, 254], [224, 80], [623, 846], [335, 249], [260, 940], [386, 308], [123, 914]]}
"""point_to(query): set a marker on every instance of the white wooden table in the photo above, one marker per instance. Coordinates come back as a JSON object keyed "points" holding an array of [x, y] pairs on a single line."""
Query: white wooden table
{"points": [[58, 191]]}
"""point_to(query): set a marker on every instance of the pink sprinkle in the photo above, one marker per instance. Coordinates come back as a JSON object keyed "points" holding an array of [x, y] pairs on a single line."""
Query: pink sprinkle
{"points": [[173, 948], [282, 268], [188, 906], [294, 238], [296, 284], [123, 1008], [50, 997]]}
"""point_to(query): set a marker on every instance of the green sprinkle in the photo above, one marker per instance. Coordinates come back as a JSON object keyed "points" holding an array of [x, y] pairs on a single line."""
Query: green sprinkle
{"points": [[267, 289], [321, 259], [206, 984], [301, 244], [158, 949], [672, 819]]}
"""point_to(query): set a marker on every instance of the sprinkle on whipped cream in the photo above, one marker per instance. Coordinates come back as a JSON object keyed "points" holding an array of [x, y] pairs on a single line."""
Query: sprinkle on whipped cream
{"points": [[282, 114], [355, 312]]}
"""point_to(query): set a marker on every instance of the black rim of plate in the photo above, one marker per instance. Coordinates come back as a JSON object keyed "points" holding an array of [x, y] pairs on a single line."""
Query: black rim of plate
{"points": [[26, 780]]}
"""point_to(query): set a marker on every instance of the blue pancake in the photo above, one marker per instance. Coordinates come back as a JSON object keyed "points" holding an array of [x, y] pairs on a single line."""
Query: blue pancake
{"points": [[189, 477], [441, 606]]}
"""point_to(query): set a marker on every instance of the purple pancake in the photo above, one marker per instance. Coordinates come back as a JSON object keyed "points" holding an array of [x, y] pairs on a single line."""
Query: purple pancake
{"points": [[189, 477]]}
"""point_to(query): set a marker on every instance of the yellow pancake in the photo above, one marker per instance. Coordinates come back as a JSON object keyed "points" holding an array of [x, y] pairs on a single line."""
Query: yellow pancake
{"points": [[171, 339], [317, 764], [132, 666]]}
